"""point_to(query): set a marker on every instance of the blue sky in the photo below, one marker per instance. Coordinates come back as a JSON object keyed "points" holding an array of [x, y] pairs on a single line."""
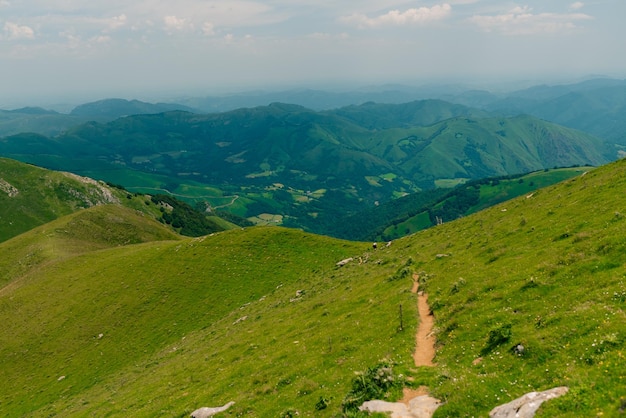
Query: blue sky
{"points": [[146, 48]]}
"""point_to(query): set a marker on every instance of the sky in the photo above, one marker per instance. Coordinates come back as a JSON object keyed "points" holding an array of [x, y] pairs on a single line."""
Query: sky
{"points": [[88, 49]]}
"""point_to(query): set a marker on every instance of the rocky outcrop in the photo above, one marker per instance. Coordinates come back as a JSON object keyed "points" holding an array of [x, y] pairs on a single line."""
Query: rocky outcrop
{"points": [[98, 195], [6, 187], [207, 412], [419, 407], [527, 405]]}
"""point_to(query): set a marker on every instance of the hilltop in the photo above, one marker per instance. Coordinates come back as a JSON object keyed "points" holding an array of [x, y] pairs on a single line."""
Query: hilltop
{"points": [[110, 109], [264, 316]]}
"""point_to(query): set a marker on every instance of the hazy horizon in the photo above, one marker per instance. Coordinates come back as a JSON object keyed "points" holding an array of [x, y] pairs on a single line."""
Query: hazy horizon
{"points": [[57, 51]]}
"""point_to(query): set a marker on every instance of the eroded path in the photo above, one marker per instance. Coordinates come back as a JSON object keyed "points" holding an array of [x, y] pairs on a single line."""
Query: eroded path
{"points": [[424, 340], [415, 402]]}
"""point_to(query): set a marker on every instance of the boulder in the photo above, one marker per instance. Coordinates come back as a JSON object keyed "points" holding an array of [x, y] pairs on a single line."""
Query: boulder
{"points": [[419, 407], [206, 412], [344, 262], [527, 405]]}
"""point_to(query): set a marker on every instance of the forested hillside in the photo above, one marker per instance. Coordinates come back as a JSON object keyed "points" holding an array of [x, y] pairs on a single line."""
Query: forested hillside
{"points": [[303, 167]]}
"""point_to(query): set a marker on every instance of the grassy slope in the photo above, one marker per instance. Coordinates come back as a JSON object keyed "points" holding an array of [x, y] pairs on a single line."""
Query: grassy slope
{"points": [[41, 197], [31, 196], [166, 312], [550, 266], [44, 195], [88, 230], [491, 193]]}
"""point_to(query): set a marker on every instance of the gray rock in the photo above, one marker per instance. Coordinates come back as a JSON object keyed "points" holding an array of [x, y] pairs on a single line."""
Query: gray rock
{"points": [[344, 262], [206, 412], [518, 349], [527, 405], [419, 407]]}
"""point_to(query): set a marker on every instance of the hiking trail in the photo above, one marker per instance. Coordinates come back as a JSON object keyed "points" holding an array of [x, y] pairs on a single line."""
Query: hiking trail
{"points": [[424, 340]]}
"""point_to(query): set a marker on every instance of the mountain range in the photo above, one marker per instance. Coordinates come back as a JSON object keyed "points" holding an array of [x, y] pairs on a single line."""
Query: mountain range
{"points": [[308, 167]]}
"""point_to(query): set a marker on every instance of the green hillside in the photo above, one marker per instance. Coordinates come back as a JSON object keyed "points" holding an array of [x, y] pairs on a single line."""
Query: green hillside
{"points": [[308, 168], [88, 230], [546, 272], [421, 210], [264, 317], [31, 196]]}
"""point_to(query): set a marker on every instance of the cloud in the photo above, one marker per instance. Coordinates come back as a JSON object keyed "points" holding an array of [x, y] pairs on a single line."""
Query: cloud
{"points": [[101, 39], [522, 21], [414, 16], [173, 23], [117, 21], [577, 5], [208, 29], [14, 31]]}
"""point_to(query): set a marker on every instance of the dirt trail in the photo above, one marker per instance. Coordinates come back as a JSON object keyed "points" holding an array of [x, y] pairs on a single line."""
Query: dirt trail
{"points": [[424, 340]]}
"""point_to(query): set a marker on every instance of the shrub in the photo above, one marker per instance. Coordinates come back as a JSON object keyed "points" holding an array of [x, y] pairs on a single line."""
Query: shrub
{"points": [[375, 383], [497, 336], [403, 272], [322, 403]]}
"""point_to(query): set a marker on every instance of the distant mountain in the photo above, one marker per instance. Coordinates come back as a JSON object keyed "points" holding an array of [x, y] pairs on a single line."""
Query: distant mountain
{"points": [[594, 106], [322, 99], [47, 122], [36, 120], [311, 167], [33, 111], [114, 108], [376, 116]]}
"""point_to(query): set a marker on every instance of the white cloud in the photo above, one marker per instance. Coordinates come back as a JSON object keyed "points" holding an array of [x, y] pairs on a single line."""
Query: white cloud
{"points": [[577, 5], [101, 39], [323, 36], [208, 29], [14, 31], [522, 21], [412, 16], [117, 21], [173, 23]]}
